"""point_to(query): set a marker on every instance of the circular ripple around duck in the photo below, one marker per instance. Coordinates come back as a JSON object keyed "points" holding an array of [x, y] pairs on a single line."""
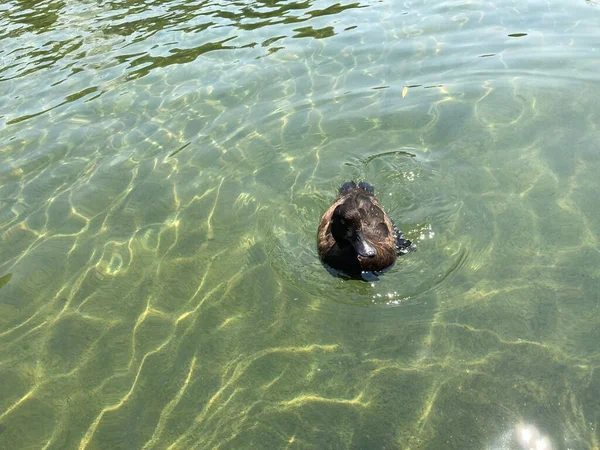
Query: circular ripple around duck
{"points": [[422, 201]]}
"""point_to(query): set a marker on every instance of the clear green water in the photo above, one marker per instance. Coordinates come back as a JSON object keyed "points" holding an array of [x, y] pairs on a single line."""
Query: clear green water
{"points": [[163, 169]]}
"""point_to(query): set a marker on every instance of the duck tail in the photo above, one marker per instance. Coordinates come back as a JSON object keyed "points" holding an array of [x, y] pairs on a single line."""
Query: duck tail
{"points": [[352, 185], [347, 186], [367, 187]]}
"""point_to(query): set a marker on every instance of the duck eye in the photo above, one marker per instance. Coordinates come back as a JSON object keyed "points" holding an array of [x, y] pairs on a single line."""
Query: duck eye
{"points": [[342, 221]]}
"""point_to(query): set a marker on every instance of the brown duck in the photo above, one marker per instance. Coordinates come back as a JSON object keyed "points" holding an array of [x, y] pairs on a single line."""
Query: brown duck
{"points": [[356, 235]]}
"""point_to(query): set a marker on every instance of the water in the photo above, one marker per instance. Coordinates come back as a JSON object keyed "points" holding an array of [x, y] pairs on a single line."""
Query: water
{"points": [[164, 166]]}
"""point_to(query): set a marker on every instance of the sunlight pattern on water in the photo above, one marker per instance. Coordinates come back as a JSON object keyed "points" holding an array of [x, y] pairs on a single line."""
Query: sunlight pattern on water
{"points": [[164, 168]]}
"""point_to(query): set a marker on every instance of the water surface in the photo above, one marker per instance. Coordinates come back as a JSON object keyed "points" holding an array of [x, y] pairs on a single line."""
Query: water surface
{"points": [[163, 169]]}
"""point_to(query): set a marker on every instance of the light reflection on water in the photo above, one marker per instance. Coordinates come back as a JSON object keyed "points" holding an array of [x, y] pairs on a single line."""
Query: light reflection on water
{"points": [[524, 437]]}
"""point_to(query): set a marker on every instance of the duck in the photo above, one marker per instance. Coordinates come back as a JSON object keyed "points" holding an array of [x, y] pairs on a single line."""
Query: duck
{"points": [[356, 236]]}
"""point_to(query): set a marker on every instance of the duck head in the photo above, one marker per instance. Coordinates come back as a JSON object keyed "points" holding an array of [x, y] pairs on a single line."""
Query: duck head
{"points": [[347, 229]]}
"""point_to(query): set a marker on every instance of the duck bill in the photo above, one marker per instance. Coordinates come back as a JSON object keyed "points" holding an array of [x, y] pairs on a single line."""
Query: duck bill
{"points": [[362, 246]]}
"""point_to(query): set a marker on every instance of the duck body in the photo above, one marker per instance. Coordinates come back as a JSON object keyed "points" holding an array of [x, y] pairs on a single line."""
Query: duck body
{"points": [[356, 235]]}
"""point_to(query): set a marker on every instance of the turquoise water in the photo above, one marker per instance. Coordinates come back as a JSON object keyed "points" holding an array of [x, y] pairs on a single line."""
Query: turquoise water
{"points": [[164, 166]]}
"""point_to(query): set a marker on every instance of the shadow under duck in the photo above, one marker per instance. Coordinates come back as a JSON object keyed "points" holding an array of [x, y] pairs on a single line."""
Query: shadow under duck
{"points": [[356, 235]]}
